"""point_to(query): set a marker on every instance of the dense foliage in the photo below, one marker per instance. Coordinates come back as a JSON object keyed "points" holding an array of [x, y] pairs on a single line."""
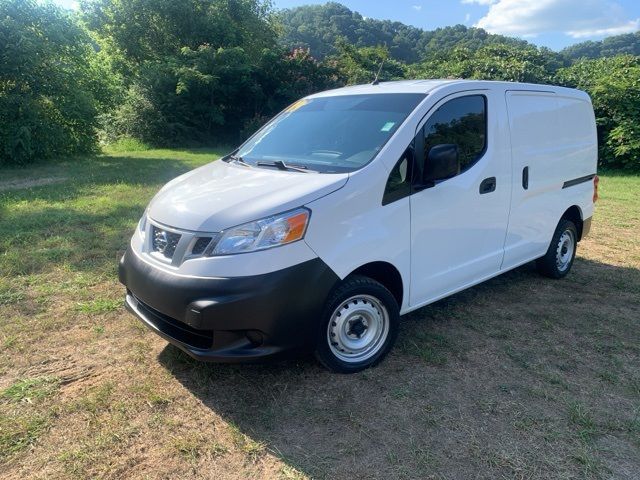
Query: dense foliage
{"points": [[319, 27], [52, 83], [362, 65], [197, 70], [177, 72], [144, 30], [626, 44], [491, 62], [614, 86]]}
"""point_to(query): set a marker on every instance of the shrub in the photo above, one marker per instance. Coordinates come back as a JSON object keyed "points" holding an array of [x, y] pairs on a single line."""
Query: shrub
{"points": [[137, 117], [47, 79], [614, 86]]}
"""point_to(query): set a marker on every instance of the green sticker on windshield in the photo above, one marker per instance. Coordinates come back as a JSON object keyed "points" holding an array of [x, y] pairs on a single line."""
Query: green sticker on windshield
{"points": [[387, 126]]}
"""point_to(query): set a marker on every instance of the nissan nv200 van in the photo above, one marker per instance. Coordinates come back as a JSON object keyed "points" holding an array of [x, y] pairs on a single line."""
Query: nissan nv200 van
{"points": [[357, 205]]}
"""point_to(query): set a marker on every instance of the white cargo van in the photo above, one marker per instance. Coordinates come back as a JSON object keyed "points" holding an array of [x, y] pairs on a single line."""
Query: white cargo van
{"points": [[357, 205]]}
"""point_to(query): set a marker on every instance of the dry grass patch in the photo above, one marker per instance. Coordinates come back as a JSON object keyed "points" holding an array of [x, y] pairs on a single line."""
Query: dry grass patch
{"points": [[520, 377]]}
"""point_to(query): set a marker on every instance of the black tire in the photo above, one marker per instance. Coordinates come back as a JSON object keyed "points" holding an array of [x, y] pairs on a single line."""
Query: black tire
{"points": [[366, 292], [551, 265]]}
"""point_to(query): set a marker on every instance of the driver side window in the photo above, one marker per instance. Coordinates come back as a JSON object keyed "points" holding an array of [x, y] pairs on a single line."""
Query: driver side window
{"points": [[452, 140], [461, 122]]}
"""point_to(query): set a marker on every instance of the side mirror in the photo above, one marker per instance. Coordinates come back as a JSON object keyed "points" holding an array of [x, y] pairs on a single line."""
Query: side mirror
{"points": [[442, 162]]}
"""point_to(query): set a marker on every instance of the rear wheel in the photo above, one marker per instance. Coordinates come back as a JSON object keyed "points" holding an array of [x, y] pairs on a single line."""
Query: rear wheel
{"points": [[359, 325], [558, 260]]}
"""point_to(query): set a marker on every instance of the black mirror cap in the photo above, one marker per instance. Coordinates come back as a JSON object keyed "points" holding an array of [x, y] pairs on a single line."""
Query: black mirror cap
{"points": [[443, 161]]}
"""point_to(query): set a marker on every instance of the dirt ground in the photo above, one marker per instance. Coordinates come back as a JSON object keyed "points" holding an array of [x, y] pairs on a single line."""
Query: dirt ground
{"points": [[520, 377]]}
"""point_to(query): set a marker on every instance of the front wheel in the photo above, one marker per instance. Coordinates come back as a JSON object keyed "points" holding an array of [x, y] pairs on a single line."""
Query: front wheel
{"points": [[562, 251], [359, 325]]}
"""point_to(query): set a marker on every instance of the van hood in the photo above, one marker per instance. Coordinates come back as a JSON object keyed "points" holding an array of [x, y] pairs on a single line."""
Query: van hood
{"points": [[220, 195]]}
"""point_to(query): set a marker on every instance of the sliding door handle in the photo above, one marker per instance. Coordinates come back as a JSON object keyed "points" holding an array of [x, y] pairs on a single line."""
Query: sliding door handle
{"points": [[525, 177]]}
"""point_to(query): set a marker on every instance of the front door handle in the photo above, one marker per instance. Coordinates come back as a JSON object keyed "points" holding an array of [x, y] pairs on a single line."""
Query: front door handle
{"points": [[488, 185]]}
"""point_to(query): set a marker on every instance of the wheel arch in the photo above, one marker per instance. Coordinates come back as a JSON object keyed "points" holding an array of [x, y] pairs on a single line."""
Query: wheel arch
{"points": [[574, 214], [386, 274]]}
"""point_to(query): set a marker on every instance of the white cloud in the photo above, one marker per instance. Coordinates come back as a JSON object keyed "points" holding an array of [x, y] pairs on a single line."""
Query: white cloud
{"points": [[577, 18], [467, 17], [630, 26], [417, 7], [480, 2]]}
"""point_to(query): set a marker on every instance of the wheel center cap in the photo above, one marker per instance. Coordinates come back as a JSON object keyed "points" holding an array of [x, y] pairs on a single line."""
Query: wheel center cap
{"points": [[357, 327]]}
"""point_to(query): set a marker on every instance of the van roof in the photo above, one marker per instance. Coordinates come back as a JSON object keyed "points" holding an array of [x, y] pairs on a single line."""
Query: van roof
{"points": [[426, 86]]}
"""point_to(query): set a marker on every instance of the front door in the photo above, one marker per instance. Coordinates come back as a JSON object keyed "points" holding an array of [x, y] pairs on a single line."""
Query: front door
{"points": [[458, 224]]}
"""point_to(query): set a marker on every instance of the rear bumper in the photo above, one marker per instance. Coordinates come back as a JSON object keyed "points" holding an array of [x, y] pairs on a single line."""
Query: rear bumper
{"points": [[229, 319]]}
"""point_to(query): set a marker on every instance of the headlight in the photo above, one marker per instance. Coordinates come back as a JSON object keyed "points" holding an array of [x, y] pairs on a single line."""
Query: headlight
{"points": [[142, 224], [264, 233]]}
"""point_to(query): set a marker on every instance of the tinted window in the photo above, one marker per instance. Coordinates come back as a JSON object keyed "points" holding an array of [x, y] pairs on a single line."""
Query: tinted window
{"points": [[461, 121], [331, 134]]}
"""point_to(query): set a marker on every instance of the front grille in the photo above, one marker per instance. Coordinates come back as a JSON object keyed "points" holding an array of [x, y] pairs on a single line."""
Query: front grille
{"points": [[200, 245], [174, 246], [164, 241]]}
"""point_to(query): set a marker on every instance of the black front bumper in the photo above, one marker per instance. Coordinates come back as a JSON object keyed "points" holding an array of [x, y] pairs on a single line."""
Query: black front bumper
{"points": [[229, 319]]}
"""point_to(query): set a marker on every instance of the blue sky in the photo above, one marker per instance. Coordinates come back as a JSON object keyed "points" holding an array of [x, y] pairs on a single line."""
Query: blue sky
{"points": [[552, 23]]}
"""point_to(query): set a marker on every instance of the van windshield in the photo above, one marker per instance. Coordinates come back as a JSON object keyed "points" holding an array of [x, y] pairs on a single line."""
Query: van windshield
{"points": [[330, 134]]}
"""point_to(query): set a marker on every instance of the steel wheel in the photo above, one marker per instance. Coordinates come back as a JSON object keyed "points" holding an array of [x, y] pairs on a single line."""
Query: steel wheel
{"points": [[358, 328], [565, 249], [557, 262]]}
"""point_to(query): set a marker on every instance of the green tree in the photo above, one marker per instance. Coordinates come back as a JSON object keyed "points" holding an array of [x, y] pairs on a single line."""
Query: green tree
{"points": [[360, 65], [626, 44], [614, 86], [198, 70], [188, 65], [51, 84], [319, 27], [141, 30], [491, 62]]}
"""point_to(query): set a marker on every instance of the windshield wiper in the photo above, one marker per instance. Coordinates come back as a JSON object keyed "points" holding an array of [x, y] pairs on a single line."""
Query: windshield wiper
{"points": [[280, 165], [238, 159]]}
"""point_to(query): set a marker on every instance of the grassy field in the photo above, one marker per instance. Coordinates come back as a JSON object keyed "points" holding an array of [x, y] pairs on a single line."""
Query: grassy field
{"points": [[520, 377]]}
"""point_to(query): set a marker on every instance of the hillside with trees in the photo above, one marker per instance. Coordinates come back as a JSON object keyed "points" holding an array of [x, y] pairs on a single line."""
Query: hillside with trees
{"points": [[201, 72], [626, 44], [319, 27]]}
